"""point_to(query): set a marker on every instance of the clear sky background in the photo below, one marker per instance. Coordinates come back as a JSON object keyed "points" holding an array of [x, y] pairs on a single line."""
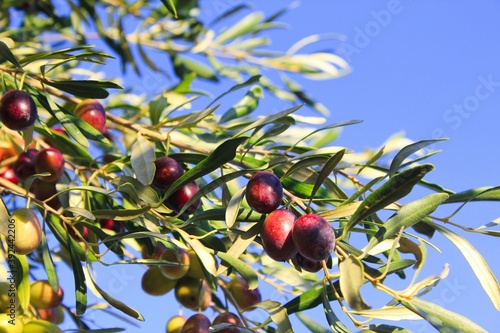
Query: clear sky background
{"points": [[428, 69]]}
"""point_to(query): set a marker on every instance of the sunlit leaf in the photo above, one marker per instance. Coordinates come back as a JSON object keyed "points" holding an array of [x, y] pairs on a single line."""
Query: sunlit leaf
{"points": [[407, 216], [407, 151], [445, 321], [142, 159], [395, 188], [351, 280], [244, 26], [476, 261], [278, 315], [244, 106], [243, 269]]}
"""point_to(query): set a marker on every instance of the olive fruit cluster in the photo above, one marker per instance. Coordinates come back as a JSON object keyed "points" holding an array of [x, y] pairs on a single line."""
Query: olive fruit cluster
{"points": [[167, 172], [45, 307], [33, 161], [307, 240], [184, 275], [200, 323]]}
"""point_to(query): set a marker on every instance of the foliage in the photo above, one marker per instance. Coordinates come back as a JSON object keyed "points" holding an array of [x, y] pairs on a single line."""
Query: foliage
{"points": [[45, 49]]}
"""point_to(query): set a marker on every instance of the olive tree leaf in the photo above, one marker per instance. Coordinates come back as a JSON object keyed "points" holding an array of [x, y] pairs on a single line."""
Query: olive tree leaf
{"points": [[233, 207], [206, 259], [245, 106], [312, 324], [224, 153], [351, 280], [335, 323], [325, 172], [119, 305], [476, 261], [268, 119], [278, 315], [245, 270], [407, 151], [244, 26], [250, 81], [389, 313], [142, 159], [476, 194], [48, 263], [6, 53], [170, 6], [445, 321], [79, 276], [21, 279], [393, 189], [406, 216]]}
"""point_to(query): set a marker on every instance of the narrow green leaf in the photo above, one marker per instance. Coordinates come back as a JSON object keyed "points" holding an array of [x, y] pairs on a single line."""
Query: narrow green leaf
{"points": [[66, 145], [59, 54], [142, 159], [84, 88], [407, 151], [310, 299], [245, 106], [251, 80], [233, 207], [476, 261], [79, 276], [372, 159], [406, 216], [268, 119], [21, 270], [247, 272], [66, 119], [445, 321], [184, 66], [243, 27], [335, 323], [195, 117], [224, 153], [239, 246], [135, 188], [6, 53], [329, 127], [206, 259], [312, 324], [351, 280], [228, 13], [170, 6], [119, 305], [278, 315], [476, 194], [298, 91], [121, 214], [341, 211], [392, 190], [389, 313], [325, 172], [48, 263]]}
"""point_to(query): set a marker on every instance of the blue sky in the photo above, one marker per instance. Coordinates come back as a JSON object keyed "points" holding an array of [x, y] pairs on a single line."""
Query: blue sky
{"points": [[427, 68]]}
